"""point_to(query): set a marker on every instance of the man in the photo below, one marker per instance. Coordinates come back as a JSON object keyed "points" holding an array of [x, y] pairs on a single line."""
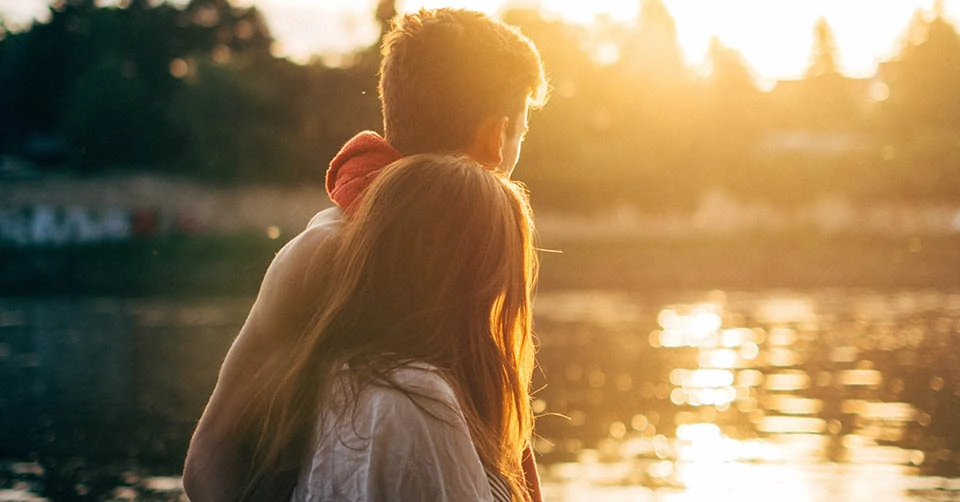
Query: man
{"points": [[450, 81]]}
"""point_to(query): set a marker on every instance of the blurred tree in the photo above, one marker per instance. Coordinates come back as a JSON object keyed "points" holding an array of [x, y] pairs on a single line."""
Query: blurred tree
{"points": [[194, 88], [915, 32], [553, 161], [653, 52], [625, 117], [823, 60], [111, 117], [828, 97], [660, 112], [335, 104], [102, 76], [218, 28], [367, 59], [922, 114], [923, 84], [37, 65], [606, 135], [386, 11], [114, 108], [52, 73], [245, 115], [235, 122], [735, 118]]}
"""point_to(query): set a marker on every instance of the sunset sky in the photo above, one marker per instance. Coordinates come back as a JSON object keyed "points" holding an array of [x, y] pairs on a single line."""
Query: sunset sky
{"points": [[775, 36]]}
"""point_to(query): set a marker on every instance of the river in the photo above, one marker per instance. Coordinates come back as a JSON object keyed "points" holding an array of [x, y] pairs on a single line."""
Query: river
{"points": [[815, 395]]}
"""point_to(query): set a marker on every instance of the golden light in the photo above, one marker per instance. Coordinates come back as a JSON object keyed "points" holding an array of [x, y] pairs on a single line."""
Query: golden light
{"points": [[786, 381], [775, 38], [693, 326], [179, 68], [792, 425]]}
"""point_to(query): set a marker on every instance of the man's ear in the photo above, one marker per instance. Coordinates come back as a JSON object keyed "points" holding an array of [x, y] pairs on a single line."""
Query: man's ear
{"points": [[487, 147]]}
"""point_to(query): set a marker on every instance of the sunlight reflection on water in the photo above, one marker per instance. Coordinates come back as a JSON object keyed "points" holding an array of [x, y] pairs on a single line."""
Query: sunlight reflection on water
{"points": [[815, 396], [829, 395]]}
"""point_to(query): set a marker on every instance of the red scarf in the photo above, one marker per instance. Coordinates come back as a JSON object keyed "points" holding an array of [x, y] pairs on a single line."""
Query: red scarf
{"points": [[355, 167], [350, 173]]}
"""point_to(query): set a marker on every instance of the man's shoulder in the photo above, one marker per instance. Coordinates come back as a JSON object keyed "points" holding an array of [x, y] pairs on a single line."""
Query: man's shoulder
{"points": [[304, 245], [294, 260], [327, 219]]}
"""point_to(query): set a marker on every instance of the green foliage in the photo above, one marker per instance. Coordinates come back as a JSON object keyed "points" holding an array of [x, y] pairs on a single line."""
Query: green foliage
{"points": [[268, 119], [234, 129], [111, 117]]}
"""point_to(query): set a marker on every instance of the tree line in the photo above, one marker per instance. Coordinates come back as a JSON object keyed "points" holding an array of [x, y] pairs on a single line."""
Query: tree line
{"points": [[195, 91]]}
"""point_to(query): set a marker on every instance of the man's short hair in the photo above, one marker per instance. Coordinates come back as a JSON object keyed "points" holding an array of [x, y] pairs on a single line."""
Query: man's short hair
{"points": [[446, 70]]}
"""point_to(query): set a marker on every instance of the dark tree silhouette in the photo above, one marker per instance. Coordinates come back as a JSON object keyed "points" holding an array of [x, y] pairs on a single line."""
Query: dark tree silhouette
{"points": [[923, 89], [824, 59], [196, 90]]}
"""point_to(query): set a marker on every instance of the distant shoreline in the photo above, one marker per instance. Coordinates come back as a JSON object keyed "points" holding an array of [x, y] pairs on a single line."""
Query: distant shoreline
{"points": [[192, 266], [232, 234], [230, 210], [755, 261]]}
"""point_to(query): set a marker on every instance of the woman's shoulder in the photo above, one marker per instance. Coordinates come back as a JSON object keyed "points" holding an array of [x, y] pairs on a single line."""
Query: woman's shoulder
{"points": [[414, 388], [423, 378], [404, 438]]}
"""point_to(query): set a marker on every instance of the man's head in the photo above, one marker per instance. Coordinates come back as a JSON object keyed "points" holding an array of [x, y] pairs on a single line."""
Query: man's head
{"points": [[458, 81]]}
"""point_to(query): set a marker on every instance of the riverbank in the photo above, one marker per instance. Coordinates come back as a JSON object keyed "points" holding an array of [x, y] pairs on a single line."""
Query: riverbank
{"points": [[748, 261], [234, 264], [62, 209], [142, 235]]}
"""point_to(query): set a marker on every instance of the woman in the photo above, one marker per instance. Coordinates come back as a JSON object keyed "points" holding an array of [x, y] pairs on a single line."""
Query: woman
{"points": [[411, 383]]}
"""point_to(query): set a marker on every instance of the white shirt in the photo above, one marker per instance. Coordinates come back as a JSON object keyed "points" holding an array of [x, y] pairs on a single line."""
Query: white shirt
{"points": [[387, 448]]}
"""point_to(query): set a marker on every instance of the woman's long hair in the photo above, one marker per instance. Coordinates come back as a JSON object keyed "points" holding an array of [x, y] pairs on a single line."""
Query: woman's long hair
{"points": [[437, 265]]}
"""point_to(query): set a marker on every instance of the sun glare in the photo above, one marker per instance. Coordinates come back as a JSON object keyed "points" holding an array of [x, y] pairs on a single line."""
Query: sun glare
{"points": [[590, 12], [774, 37]]}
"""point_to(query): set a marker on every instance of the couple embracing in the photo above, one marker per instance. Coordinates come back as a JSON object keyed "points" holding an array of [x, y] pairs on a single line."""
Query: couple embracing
{"points": [[389, 353]]}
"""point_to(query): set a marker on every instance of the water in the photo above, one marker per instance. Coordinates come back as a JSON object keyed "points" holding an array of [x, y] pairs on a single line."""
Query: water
{"points": [[807, 396], [815, 396]]}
